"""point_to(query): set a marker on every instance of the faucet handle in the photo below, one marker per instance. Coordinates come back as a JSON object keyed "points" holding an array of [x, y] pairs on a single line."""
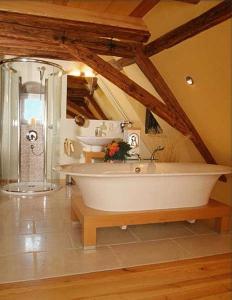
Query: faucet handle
{"points": [[124, 124]]}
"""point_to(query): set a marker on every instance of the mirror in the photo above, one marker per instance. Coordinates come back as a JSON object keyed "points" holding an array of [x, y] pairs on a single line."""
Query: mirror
{"points": [[86, 98]]}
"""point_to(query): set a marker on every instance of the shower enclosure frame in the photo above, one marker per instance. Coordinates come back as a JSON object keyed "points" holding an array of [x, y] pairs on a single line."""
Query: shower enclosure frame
{"points": [[45, 123]]}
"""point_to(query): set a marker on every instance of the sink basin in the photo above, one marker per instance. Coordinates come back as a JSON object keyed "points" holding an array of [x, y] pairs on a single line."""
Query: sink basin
{"points": [[95, 143]]}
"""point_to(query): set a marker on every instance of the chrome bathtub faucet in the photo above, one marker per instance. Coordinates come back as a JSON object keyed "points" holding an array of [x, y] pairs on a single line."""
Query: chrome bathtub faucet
{"points": [[157, 149], [125, 124]]}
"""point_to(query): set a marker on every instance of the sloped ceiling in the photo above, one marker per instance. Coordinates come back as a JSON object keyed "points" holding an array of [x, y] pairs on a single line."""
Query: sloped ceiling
{"points": [[121, 7]]}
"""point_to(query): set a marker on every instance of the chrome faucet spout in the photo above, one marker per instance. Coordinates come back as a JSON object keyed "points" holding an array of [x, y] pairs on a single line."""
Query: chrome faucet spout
{"points": [[124, 124]]}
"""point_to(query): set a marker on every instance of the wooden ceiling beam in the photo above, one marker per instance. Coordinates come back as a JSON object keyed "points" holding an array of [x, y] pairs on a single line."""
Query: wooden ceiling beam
{"points": [[77, 109], [88, 109], [70, 114], [75, 81], [210, 18], [28, 44], [77, 92], [34, 53], [153, 75], [27, 37], [143, 8], [78, 101], [93, 111], [123, 82], [61, 18]]}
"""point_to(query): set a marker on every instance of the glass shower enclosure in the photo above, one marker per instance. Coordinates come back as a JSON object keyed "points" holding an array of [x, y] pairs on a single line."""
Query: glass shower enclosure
{"points": [[30, 104]]}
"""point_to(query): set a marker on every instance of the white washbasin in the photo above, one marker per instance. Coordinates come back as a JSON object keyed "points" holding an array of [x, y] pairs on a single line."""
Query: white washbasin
{"points": [[95, 143]]}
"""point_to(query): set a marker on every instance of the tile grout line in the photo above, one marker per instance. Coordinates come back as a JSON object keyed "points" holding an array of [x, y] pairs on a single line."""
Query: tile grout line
{"points": [[180, 246], [116, 257], [72, 242], [134, 235]]}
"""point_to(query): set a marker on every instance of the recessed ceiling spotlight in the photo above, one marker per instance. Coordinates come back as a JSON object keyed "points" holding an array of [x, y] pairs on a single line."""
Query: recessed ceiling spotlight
{"points": [[189, 80]]}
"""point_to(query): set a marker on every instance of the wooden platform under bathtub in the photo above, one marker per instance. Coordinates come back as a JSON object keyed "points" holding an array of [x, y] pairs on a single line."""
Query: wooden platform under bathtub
{"points": [[91, 219]]}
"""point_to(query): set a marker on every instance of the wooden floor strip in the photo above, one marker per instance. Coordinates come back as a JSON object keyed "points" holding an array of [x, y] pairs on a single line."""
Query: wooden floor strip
{"points": [[208, 278]]}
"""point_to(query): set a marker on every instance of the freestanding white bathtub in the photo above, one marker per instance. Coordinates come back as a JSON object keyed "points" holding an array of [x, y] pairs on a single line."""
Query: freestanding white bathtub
{"points": [[145, 186]]}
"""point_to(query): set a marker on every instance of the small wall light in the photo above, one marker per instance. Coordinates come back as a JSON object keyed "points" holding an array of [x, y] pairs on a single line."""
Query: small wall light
{"points": [[75, 72], [189, 80], [88, 72], [84, 72]]}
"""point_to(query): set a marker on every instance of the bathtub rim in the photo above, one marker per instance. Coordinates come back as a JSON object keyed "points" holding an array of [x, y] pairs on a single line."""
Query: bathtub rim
{"points": [[224, 171]]}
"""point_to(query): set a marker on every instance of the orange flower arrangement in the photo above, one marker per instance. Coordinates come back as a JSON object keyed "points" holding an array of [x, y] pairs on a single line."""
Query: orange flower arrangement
{"points": [[113, 148], [117, 151]]}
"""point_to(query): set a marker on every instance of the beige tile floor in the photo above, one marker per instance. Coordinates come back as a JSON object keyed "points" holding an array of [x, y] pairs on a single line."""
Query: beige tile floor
{"points": [[38, 240]]}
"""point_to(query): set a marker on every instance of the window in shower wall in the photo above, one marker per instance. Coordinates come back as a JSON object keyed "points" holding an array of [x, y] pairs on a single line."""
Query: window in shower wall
{"points": [[32, 102], [32, 109]]}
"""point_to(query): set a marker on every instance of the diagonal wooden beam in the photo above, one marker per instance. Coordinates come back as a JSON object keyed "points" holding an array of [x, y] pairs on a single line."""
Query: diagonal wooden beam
{"points": [[210, 18], [83, 110], [89, 108], [143, 8], [97, 107], [126, 84], [150, 71]]}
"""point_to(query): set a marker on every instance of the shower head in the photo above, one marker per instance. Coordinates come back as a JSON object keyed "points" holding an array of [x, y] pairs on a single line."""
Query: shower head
{"points": [[41, 71]]}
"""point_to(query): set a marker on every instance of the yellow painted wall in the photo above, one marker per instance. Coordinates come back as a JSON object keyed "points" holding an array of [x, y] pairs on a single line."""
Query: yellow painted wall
{"points": [[207, 58], [178, 148]]}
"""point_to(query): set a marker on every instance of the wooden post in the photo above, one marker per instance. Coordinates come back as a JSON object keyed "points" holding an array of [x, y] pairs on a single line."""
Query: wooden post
{"points": [[153, 75], [222, 224], [89, 235]]}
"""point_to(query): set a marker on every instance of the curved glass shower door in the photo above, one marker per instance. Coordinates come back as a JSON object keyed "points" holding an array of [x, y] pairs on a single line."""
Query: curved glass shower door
{"points": [[30, 118]]}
